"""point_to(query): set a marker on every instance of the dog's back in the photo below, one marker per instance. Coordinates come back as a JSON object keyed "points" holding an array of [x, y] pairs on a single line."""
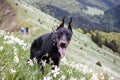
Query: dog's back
{"points": [[42, 43]]}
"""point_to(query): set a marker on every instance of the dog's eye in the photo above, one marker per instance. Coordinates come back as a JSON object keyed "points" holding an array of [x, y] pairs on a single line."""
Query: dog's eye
{"points": [[68, 38], [61, 33]]}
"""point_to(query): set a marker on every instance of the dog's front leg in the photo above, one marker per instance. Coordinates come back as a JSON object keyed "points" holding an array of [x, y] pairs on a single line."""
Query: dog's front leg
{"points": [[55, 68], [41, 62], [42, 65], [54, 62]]}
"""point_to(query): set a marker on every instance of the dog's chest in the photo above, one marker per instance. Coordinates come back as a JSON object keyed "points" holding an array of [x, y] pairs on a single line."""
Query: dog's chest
{"points": [[49, 58]]}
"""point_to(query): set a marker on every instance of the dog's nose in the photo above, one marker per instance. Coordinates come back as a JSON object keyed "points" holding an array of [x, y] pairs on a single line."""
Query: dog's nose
{"points": [[63, 45]]}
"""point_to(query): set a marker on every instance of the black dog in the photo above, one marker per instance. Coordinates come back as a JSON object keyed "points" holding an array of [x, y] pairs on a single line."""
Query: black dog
{"points": [[49, 48]]}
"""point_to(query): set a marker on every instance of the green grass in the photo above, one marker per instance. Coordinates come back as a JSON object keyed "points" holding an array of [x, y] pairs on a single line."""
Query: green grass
{"points": [[22, 70]]}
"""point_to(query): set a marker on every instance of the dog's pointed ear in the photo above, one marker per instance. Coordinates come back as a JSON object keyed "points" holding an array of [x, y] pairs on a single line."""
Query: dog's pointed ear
{"points": [[70, 24], [62, 23]]}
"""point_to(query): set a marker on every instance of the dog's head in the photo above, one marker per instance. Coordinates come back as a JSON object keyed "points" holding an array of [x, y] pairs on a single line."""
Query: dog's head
{"points": [[63, 36]]}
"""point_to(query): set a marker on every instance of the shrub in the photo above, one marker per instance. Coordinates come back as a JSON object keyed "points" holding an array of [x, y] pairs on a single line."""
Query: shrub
{"points": [[16, 4], [113, 45], [81, 48], [98, 63], [38, 20], [111, 40], [26, 11], [114, 60]]}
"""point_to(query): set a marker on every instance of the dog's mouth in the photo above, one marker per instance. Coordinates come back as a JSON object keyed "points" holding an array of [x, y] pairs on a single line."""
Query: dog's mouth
{"points": [[62, 49]]}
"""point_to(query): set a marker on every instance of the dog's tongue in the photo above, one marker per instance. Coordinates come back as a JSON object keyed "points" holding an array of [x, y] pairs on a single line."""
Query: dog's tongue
{"points": [[62, 51]]}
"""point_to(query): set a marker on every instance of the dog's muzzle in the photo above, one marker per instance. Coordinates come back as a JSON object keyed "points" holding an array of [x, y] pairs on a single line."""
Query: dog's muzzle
{"points": [[63, 45], [62, 48]]}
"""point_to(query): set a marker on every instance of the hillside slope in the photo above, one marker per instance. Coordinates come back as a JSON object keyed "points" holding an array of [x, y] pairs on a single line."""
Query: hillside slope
{"points": [[81, 57], [7, 17]]}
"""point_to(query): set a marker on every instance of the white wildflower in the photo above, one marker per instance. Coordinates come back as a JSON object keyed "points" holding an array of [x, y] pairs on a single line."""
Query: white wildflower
{"points": [[83, 78], [85, 69], [2, 32], [9, 39], [62, 77], [112, 78], [8, 32], [16, 59], [30, 62], [63, 60], [72, 78], [94, 77], [12, 33], [25, 48], [12, 71], [3, 78], [90, 70], [1, 48], [69, 71], [102, 78], [47, 78], [55, 72], [13, 40], [35, 60], [80, 67], [15, 50], [43, 63]]}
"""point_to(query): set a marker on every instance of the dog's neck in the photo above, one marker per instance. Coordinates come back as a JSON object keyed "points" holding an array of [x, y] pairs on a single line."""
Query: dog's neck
{"points": [[55, 46], [54, 38]]}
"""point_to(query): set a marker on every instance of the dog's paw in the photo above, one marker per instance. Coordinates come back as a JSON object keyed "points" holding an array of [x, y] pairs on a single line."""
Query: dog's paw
{"points": [[30, 62]]}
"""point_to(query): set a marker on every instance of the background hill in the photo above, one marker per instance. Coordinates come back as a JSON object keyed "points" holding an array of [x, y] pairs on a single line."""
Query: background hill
{"points": [[84, 59], [113, 14], [88, 15]]}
